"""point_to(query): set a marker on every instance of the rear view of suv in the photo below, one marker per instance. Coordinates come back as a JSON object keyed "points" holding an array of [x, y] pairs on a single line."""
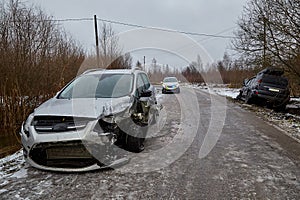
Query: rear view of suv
{"points": [[269, 87]]}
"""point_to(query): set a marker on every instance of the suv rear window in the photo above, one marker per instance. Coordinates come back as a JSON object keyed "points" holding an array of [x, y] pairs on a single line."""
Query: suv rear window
{"points": [[275, 80]]}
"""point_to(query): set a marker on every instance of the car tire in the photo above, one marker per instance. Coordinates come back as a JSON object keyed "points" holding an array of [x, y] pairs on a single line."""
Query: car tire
{"points": [[239, 96], [135, 144], [248, 98]]}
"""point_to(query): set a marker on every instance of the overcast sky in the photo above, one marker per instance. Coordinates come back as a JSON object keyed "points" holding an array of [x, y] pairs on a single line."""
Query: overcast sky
{"points": [[201, 16]]}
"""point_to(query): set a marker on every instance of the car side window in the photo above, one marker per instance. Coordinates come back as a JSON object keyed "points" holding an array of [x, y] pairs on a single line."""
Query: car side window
{"points": [[146, 81], [140, 85], [250, 82], [140, 82]]}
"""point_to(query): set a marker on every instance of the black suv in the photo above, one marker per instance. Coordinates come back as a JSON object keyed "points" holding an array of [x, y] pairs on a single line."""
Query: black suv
{"points": [[268, 87]]}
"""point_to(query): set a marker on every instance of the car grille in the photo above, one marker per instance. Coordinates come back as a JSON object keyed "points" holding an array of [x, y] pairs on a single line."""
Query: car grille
{"points": [[71, 154], [44, 124]]}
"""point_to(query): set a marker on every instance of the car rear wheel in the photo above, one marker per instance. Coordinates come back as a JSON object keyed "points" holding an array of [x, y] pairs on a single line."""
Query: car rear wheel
{"points": [[239, 96], [248, 98]]}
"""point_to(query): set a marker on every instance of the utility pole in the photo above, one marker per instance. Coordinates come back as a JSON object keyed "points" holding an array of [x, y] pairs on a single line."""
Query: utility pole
{"points": [[97, 40]]}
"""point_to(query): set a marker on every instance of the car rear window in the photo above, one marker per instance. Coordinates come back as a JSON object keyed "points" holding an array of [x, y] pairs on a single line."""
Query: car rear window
{"points": [[275, 80]]}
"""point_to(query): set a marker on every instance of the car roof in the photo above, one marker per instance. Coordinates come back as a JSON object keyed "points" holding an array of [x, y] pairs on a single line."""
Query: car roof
{"points": [[111, 71]]}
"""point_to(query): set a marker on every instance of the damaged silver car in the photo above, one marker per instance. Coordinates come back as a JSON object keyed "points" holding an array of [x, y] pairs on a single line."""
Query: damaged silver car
{"points": [[91, 122]]}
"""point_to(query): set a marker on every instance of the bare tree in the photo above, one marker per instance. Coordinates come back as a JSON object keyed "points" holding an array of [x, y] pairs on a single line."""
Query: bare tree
{"points": [[36, 59], [109, 48], [269, 34], [111, 56]]}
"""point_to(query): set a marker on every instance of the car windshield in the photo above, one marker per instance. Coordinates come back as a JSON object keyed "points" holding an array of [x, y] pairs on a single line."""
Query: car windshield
{"points": [[99, 86], [170, 79]]}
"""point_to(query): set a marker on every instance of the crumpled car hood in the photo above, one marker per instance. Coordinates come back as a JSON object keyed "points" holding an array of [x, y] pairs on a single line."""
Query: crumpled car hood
{"points": [[83, 107]]}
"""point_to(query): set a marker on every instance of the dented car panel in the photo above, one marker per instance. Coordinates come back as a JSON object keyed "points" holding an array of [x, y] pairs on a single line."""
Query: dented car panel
{"points": [[81, 134]]}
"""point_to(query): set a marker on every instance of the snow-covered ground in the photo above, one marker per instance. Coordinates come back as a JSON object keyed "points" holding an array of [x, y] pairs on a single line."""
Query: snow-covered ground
{"points": [[227, 92], [220, 89], [11, 165]]}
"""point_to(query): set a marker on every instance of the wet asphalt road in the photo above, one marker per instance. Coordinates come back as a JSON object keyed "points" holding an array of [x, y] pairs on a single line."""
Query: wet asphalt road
{"points": [[250, 160]]}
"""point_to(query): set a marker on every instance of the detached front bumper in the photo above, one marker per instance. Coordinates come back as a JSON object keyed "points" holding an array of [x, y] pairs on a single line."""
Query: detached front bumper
{"points": [[71, 151]]}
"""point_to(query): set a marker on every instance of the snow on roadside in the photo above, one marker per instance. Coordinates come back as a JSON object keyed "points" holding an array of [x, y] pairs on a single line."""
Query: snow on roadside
{"points": [[12, 165], [295, 99], [220, 89], [227, 92]]}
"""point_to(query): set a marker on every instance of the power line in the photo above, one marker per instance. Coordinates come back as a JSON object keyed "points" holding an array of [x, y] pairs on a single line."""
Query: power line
{"points": [[164, 29], [71, 19], [146, 27]]}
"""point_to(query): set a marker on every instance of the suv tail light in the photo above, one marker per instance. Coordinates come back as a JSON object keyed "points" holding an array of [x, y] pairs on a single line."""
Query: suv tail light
{"points": [[259, 81]]}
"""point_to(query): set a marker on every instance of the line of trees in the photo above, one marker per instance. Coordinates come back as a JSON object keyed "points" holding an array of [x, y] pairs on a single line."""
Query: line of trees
{"points": [[36, 59], [35, 53], [225, 71], [269, 35]]}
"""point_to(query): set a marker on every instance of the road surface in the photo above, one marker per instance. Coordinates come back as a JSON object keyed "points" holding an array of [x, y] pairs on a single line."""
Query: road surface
{"points": [[250, 160]]}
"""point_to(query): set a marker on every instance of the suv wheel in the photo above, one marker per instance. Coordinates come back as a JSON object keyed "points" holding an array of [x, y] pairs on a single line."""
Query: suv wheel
{"points": [[248, 98], [239, 96]]}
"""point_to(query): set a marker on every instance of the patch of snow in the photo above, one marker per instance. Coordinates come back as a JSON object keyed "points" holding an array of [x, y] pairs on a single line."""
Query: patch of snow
{"points": [[12, 157], [220, 89], [295, 99], [260, 179], [5, 182], [12, 164], [22, 173], [3, 190], [227, 92], [159, 96]]}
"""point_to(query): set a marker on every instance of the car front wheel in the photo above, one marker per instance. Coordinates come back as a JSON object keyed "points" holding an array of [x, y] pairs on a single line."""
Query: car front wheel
{"points": [[135, 144]]}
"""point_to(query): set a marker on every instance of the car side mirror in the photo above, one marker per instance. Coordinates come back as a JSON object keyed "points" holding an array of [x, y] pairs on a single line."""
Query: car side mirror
{"points": [[146, 93]]}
